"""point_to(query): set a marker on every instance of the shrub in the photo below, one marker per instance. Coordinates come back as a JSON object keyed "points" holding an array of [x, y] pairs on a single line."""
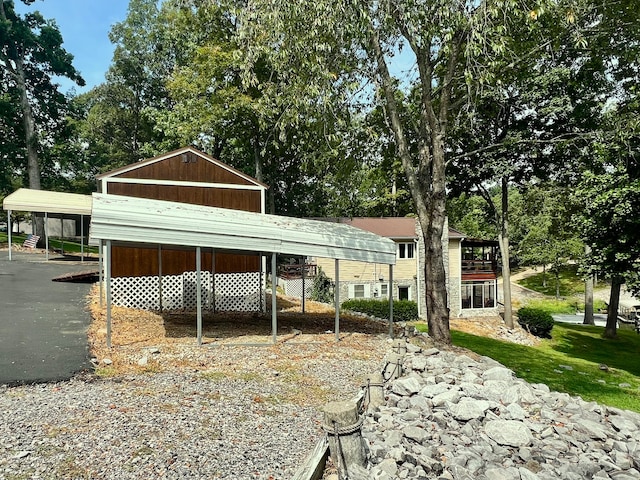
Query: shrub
{"points": [[322, 290], [403, 310], [536, 320]]}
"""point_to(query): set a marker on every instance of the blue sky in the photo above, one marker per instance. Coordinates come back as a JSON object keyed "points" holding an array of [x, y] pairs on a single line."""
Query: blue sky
{"points": [[84, 25]]}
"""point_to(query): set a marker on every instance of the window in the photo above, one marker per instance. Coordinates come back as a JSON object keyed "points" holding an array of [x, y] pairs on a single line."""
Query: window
{"points": [[360, 290], [406, 250], [478, 294], [404, 293], [384, 289]]}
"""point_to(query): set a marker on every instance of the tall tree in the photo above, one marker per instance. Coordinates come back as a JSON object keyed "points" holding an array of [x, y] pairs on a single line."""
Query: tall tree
{"points": [[610, 186], [31, 53], [329, 46]]}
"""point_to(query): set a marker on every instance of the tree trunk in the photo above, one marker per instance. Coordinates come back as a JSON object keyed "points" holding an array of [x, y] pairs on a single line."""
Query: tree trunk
{"points": [[503, 242], [426, 180], [435, 278], [31, 143], [588, 295], [544, 275], [588, 302], [257, 158], [557, 283], [610, 330]]}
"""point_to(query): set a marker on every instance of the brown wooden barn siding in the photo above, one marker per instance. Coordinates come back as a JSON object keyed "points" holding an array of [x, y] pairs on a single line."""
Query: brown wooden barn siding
{"points": [[131, 261], [247, 200], [136, 262], [197, 169]]}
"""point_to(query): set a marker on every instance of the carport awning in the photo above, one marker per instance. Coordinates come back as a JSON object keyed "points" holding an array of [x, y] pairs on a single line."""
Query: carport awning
{"points": [[155, 222], [28, 200]]}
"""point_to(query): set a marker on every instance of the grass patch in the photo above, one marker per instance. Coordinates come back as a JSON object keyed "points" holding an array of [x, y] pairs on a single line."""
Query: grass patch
{"points": [[571, 283], [54, 243], [569, 362], [568, 306]]}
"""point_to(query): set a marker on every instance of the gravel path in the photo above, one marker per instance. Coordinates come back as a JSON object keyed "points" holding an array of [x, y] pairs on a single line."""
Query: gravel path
{"points": [[244, 413]]}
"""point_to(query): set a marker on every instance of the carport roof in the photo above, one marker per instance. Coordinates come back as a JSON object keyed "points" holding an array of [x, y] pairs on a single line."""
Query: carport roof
{"points": [[155, 222], [28, 200]]}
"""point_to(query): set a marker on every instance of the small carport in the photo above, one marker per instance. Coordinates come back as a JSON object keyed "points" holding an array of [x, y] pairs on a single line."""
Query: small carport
{"points": [[121, 220], [51, 204]]}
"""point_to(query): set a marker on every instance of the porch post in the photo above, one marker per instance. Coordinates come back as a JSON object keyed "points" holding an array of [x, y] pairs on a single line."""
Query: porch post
{"points": [[390, 301], [336, 295], [62, 235], [108, 285], [274, 305], [199, 293]]}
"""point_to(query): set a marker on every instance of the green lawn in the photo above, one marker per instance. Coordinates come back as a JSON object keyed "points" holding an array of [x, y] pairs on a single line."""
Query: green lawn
{"points": [[54, 243], [571, 283], [579, 347]]}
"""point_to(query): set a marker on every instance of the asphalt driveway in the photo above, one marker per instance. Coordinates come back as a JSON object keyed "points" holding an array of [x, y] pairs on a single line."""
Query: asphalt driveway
{"points": [[43, 324]]}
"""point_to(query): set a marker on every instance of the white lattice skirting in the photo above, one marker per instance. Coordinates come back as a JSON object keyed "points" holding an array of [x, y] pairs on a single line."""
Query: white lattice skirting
{"points": [[233, 292]]}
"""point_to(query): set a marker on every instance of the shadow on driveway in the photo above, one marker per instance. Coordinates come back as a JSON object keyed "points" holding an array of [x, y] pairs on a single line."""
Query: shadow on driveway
{"points": [[43, 324]]}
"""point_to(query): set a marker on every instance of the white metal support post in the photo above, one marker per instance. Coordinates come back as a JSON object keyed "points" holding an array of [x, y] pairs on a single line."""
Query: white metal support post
{"points": [[199, 292], [304, 267], [390, 301], [100, 271], [46, 234], [82, 238], [274, 304], [336, 294], [9, 231], [160, 277], [108, 286], [213, 280]]}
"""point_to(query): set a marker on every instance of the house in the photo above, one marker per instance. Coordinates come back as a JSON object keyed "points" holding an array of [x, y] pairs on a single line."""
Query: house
{"points": [[186, 176], [470, 264]]}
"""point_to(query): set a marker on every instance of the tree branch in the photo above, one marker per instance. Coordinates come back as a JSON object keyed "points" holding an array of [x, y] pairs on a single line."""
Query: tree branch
{"points": [[560, 138]]}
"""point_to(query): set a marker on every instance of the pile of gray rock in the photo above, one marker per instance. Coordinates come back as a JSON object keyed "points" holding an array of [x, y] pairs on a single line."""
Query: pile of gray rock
{"points": [[453, 417]]}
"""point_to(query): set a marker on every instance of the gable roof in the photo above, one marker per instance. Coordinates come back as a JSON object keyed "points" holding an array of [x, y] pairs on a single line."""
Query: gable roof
{"points": [[143, 163], [133, 220], [398, 228]]}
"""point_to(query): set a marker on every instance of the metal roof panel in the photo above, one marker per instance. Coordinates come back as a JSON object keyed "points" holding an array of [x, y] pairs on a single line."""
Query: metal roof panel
{"points": [[139, 220], [28, 200]]}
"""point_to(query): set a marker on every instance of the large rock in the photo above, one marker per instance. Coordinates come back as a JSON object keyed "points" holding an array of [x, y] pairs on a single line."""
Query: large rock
{"points": [[509, 432], [406, 386], [469, 408]]}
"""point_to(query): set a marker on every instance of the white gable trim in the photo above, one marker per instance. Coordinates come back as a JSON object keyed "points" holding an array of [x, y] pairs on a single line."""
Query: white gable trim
{"points": [[179, 183], [204, 156]]}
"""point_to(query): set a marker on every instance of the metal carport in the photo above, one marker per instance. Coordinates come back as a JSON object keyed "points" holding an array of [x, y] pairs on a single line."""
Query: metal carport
{"points": [[47, 202], [124, 220]]}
